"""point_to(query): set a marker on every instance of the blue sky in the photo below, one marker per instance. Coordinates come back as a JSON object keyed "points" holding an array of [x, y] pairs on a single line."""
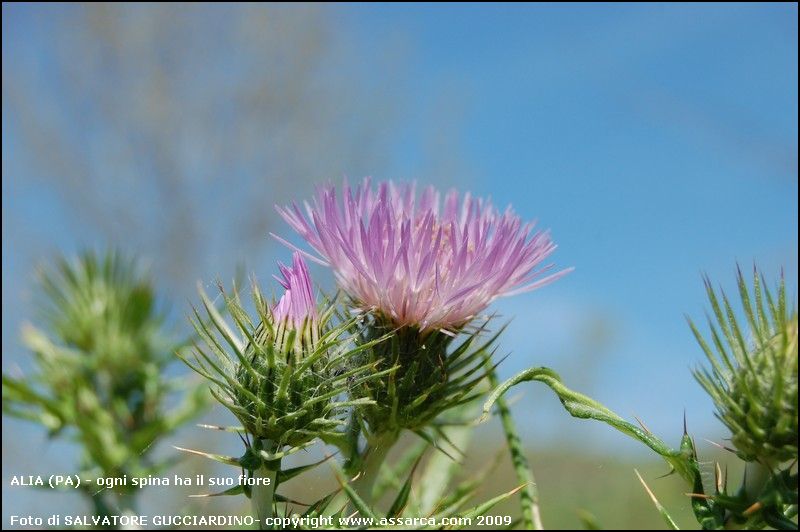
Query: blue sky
{"points": [[657, 142]]}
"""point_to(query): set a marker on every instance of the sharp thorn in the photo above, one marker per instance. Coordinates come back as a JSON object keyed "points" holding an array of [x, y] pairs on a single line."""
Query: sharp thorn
{"points": [[665, 475], [720, 446], [647, 488], [753, 509], [646, 429], [725, 485]]}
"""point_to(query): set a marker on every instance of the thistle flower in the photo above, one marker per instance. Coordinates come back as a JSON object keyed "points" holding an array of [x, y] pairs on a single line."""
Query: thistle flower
{"points": [[272, 374], [297, 305], [423, 268], [283, 373], [419, 261], [295, 315], [753, 373]]}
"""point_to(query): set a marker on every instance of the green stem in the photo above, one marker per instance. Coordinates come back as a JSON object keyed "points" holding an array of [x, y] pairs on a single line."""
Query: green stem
{"points": [[125, 504], [757, 476], [263, 492], [371, 461], [529, 496], [100, 505]]}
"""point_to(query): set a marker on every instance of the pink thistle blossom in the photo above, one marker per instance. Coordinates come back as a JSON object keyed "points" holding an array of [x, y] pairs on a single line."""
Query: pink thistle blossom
{"points": [[297, 305], [416, 260]]}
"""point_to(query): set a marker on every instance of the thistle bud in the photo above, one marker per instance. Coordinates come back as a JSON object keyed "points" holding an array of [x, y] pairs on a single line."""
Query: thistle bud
{"points": [[281, 371], [753, 374]]}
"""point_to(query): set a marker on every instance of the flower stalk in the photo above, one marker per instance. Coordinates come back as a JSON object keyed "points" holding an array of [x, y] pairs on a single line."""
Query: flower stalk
{"points": [[529, 495], [371, 460], [263, 491]]}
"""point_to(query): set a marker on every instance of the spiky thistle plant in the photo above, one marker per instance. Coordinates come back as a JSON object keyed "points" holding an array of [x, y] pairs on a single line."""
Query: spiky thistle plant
{"points": [[284, 372], [424, 495], [752, 376], [100, 351], [752, 379], [423, 270]]}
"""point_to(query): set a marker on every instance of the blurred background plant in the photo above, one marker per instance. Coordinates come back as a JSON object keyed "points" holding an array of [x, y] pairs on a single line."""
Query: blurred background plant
{"points": [[181, 103], [753, 370], [101, 354]]}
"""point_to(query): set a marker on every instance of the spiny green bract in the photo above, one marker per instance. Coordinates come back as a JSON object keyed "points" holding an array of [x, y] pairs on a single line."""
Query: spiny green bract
{"points": [[285, 386], [278, 399], [753, 374], [433, 371]]}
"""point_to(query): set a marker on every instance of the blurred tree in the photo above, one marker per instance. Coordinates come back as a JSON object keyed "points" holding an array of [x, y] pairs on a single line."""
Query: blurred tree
{"points": [[176, 127]]}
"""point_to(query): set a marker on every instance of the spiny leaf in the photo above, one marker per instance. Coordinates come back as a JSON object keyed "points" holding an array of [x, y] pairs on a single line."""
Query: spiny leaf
{"points": [[319, 506], [269, 457], [460, 494], [391, 474], [284, 475], [484, 507], [357, 501], [402, 496]]}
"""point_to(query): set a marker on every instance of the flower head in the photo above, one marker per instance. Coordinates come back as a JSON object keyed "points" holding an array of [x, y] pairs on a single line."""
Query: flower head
{"points": [[753, 377], [420, 261], [297, 305], [278, 369]]}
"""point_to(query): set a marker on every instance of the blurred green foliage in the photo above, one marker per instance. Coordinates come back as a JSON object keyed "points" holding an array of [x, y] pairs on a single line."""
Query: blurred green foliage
{"points": [[101, 352]]}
